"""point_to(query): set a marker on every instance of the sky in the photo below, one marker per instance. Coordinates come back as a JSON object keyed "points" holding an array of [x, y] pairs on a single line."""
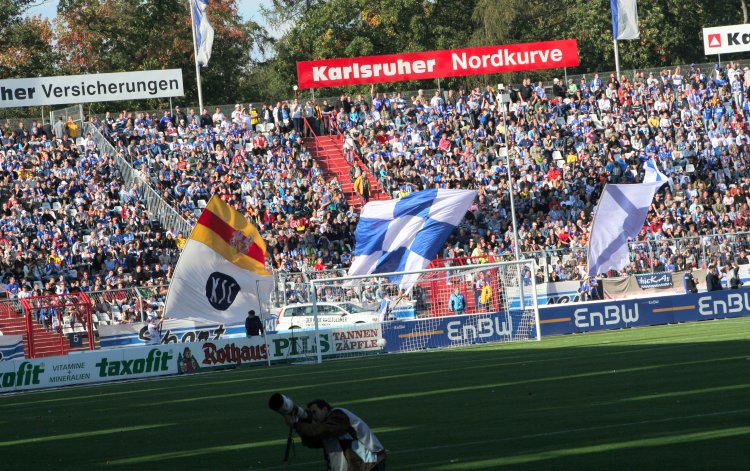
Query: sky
{"points": [[248, 9]]}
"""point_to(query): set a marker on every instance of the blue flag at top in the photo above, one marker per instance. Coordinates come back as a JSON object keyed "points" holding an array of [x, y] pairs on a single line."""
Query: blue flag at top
{"points": [[204, 32], [625, 19]]}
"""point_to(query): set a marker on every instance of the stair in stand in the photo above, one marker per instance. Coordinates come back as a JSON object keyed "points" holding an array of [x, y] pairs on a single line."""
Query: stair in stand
{"points": [[328, 151]]}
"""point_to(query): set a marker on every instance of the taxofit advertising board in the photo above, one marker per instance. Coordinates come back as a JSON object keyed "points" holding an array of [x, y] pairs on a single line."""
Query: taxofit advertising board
{"points": [[726, 39], [181, 358], [437, 64], [71, 89]]}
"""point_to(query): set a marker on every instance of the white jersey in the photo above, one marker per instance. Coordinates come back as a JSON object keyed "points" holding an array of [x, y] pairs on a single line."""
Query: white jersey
{"points": [[153, 333], [366, 446]]}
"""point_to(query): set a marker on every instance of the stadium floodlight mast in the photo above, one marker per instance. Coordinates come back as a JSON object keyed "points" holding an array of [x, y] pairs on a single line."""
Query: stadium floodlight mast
{"points": [[504, 100]]}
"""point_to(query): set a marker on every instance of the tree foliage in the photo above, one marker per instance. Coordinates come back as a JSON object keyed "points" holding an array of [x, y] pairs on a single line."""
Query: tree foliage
{"points": [[25, 42], [123, 35]]}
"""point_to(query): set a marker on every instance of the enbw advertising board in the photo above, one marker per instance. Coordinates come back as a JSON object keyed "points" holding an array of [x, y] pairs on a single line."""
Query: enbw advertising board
{"points": [[608, 315]]}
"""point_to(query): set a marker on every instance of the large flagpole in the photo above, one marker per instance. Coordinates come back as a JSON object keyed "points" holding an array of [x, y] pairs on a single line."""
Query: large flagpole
{"points": [[617, 61], [195, 55]]}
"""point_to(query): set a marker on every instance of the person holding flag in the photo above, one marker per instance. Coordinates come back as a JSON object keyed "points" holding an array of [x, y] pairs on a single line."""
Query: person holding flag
{"points": [[154, 328]]}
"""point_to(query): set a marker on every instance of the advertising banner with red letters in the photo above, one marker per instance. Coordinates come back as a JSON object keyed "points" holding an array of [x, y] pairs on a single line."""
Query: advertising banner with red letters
{"points": [[187, 357], [437, 64]]}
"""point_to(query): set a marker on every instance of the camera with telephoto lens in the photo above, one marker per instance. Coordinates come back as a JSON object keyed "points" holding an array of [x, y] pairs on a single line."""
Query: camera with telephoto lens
{"points": [[286, 406]]}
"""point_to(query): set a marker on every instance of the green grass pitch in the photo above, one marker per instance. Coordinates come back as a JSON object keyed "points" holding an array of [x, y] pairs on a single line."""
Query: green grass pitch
{"points": [[669, 397]]}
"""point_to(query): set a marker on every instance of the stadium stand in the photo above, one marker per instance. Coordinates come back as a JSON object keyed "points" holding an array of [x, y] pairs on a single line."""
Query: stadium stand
{"points": [[70, 222]]}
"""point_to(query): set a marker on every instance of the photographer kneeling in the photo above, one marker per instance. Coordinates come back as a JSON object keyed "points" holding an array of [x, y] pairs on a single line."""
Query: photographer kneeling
{"points": [[347, 441]]}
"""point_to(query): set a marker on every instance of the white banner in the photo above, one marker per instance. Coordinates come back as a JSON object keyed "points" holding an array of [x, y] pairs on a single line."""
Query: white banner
{"points": [[726, 39], [11, 346], [149, 361], [172, 331], [71, 89]]}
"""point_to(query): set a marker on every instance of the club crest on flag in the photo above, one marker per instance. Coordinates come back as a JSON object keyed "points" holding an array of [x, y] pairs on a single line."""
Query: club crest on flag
{"points": [[221, 290], [241, 242]]}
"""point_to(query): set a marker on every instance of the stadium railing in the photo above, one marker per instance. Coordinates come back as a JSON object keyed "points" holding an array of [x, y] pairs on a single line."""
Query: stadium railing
{"points": [[699, 250], [157, 208], [75, 313], [76, 111]]}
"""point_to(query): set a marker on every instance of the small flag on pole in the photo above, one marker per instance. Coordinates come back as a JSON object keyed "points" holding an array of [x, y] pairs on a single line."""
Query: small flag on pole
{"points": [[625, 19], [204, 32], [221, 272], [653, 174]]}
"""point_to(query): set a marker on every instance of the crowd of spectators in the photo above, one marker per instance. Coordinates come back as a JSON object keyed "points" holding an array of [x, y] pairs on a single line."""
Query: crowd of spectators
{"points": [[68, 222], [564, 144]]}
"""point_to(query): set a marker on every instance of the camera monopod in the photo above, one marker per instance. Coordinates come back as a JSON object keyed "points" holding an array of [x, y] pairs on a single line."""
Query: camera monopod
{"points": [[289, 447], [286, 406]]}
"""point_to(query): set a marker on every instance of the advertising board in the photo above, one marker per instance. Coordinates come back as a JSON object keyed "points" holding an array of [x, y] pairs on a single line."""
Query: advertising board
{"points": [[608, 315], [11, 346], [70, 89], [726, 39], [437, 64], [180, 358], [172, 331], [441, 332]]}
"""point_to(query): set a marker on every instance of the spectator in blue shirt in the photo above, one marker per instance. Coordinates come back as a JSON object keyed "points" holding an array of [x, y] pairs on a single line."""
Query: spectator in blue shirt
{"points": [[457, 302]]}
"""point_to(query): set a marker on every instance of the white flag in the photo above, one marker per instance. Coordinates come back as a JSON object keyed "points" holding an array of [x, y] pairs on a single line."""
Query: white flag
{"points": [[221, 272], [619, 217], [204, 32], [625, 19]]}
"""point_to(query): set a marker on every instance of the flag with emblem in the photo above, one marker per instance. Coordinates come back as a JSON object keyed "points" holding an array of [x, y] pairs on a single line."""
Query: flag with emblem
{"points": [[221, 272]]}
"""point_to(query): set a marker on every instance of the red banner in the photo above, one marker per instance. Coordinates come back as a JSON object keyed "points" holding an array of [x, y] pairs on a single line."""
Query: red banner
{"points": [[437, 64]]}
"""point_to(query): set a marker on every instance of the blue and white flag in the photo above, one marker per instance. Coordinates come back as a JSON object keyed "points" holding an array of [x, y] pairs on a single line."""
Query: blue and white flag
{"points": [[204, 32], [406, 234], [653, 174], [619, 217], [625, 19]]}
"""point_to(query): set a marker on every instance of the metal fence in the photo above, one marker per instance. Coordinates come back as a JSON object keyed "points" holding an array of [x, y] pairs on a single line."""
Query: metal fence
{"points": [[649, 256], [126, 305], [76, 111], [293, 287]]}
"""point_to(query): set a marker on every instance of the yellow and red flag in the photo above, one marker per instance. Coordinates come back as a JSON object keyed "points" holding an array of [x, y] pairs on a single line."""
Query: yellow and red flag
{"points": [[221, 273]]}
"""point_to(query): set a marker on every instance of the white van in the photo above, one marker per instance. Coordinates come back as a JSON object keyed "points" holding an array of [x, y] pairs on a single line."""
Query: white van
{"points": [[300, 316]]}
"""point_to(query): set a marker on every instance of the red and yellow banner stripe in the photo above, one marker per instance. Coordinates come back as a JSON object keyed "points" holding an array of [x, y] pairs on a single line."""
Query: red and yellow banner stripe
{"points": [[227, 232]]}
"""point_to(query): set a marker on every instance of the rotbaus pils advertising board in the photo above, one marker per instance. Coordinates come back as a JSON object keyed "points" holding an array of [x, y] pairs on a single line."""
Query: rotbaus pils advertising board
{"points": [[72, 89], [101, 366]]}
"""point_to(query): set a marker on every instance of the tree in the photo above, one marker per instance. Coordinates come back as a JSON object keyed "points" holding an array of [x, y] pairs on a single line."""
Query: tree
{"points": [[25, 42], [125, 35], [346, 28], [26, 48]]}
